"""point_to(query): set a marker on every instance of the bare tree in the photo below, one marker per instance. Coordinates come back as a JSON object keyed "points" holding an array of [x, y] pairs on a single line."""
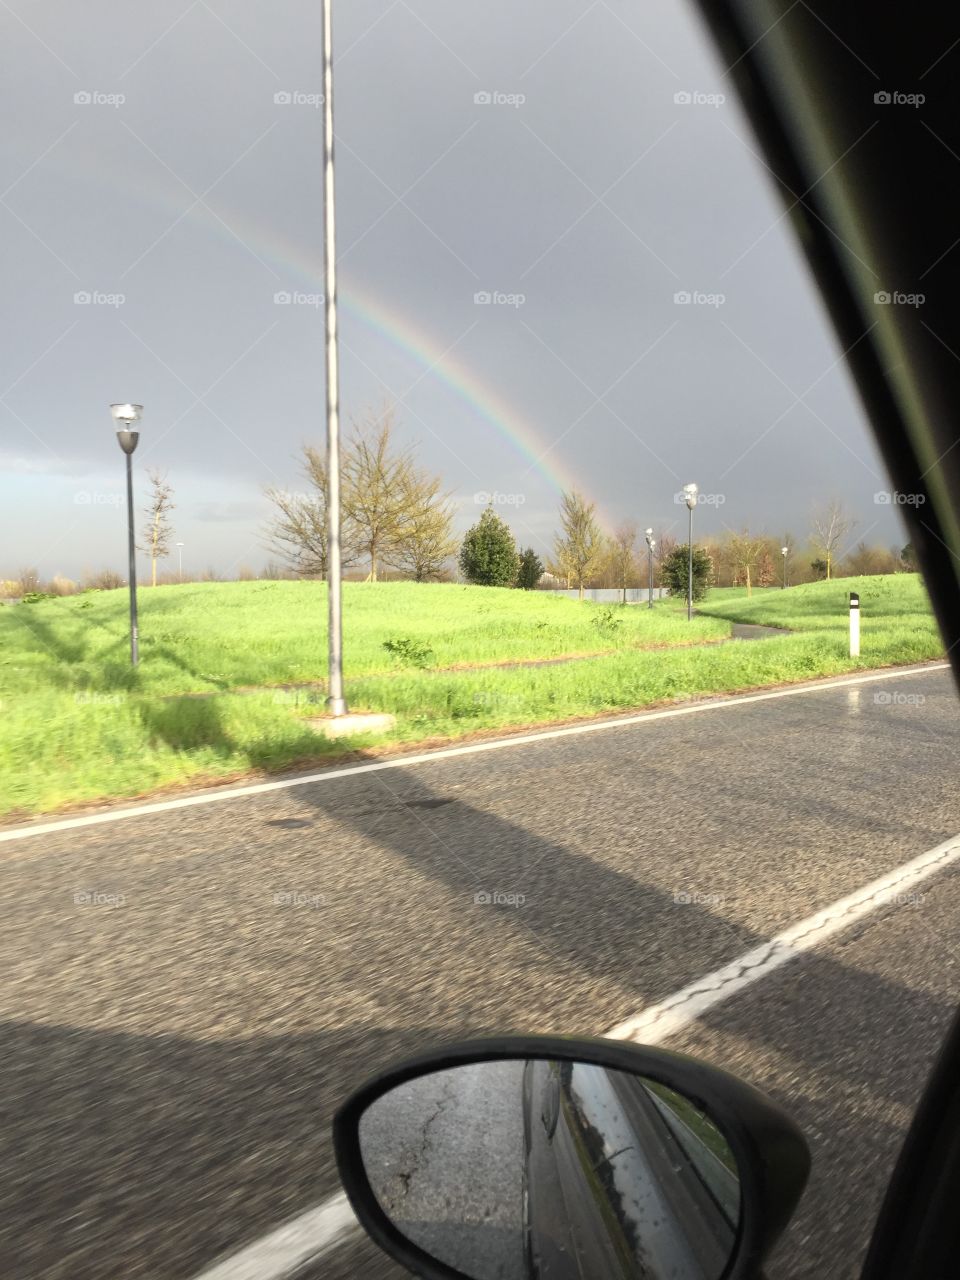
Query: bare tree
{"points": [[579, 545], [28, 580], [392, 513], [298, 529], [829, 525], [378, 483], [745, 549], [622, 550], [159, 528], [423, 541]]}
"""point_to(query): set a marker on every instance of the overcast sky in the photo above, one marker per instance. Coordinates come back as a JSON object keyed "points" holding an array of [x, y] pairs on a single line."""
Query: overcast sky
{"points": [[164, 161]]}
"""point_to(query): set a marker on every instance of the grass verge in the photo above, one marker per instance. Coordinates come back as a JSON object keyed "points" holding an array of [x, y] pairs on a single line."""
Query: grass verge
{"points": [[79, 725]]}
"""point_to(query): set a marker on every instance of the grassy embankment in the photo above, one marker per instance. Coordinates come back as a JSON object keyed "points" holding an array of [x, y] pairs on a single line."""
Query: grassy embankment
{"points": [[78, 724]]}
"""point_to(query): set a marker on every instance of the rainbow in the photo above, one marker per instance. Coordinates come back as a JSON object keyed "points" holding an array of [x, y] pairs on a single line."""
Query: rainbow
{"points": [[285, 257]]}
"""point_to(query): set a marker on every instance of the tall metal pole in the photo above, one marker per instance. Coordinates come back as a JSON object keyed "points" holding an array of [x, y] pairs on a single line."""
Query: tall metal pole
{"points": [[132, 570], [336, 702], [690, 565]]}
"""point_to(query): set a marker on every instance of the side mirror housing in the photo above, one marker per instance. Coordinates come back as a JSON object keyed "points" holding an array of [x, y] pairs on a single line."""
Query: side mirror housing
{"points": [[540, 1156]]}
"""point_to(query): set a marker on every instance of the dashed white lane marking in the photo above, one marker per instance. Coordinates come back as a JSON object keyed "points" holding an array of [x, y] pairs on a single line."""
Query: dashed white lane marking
{"points": [[317, 1233], [225, 794], [284, 1252]]}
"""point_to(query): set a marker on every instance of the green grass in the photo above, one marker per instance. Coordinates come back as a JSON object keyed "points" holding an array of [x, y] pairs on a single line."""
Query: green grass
{"points": [[79, 724], [893, 608]]}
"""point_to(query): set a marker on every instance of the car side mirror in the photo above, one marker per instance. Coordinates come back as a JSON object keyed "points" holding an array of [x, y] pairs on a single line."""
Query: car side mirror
{"points": [[552, 1158]]}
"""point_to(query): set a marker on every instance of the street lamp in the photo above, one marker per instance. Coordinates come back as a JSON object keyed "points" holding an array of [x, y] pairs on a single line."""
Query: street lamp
{"points": [[690, 497], [125, 415], [784, 551], [651, 543], [336, 703], [180, 554]]}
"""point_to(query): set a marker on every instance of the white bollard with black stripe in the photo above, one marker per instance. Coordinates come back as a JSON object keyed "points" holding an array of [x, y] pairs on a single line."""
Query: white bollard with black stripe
{"points": [[854, 625]]}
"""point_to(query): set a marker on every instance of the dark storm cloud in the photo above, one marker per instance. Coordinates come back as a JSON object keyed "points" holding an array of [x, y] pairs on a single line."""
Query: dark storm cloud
{"points": [[560, 255]]}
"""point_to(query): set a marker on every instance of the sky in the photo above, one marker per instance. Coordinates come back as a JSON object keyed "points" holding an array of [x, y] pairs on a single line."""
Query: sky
{"points": [[560, 257]]}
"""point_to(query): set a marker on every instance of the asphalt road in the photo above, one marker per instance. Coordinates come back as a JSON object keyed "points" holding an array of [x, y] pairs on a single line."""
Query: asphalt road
{"points": [[187, 996]]}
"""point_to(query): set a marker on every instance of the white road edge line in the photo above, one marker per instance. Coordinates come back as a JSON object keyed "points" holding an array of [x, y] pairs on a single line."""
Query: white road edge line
{"points": [[446, 753], [316, 1233]]}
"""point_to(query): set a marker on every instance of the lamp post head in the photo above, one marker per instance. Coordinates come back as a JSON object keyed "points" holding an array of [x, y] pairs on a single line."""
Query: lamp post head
{"points": [[125, 415], [649, 538], [784, 550], [690, 491]]}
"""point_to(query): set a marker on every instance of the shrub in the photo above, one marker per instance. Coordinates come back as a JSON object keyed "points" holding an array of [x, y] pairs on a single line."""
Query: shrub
{"points": [[488, 556], [675, 570], [105, 580], [529, 570], [607, 621], [408, 651]]}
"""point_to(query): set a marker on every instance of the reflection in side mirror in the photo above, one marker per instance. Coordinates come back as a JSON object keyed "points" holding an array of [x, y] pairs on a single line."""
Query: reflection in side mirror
{"points": [[546, 1169]]}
